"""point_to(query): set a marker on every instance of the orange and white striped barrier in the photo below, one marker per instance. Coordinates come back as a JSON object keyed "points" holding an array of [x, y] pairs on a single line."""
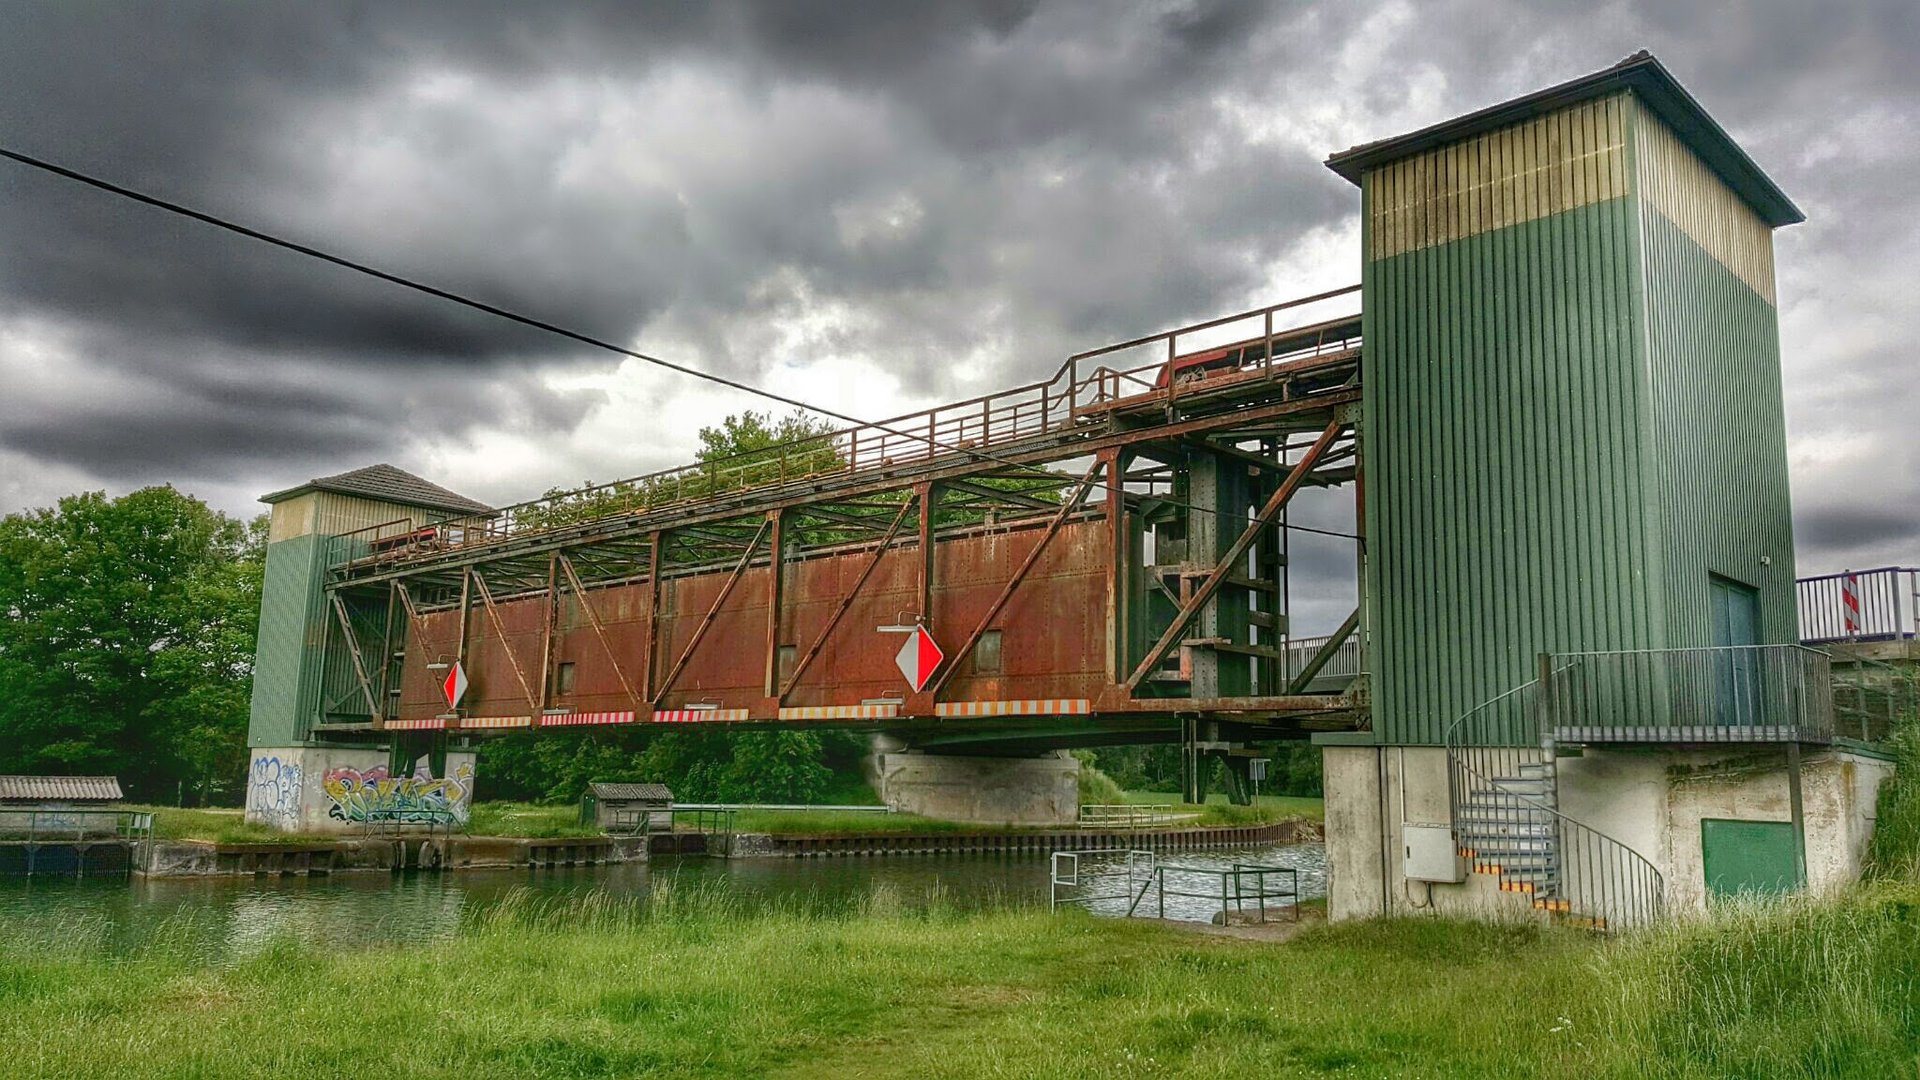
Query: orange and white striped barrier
{"points": [[1024, 707], [485, 723], [696, 716], [427, 723], [584, 719], [840, 712]]}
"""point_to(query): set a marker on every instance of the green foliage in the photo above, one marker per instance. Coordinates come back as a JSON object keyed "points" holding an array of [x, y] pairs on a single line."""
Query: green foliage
{"points": [[127, 640], [698, 765], [1096, 787], [1293, 768], [747, 449], [1894, 852]]}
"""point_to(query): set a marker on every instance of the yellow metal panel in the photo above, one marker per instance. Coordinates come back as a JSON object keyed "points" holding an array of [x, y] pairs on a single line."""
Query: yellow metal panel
{"points": [[1687, 193], [1547, 165]]}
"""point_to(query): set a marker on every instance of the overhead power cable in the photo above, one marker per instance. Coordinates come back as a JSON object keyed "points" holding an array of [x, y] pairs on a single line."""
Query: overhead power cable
{"points": [[541, 324]]}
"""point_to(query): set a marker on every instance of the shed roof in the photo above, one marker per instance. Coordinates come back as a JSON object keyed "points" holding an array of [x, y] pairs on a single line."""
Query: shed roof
{"points": [[60, 788], [630, 792], [1646, 77], [388, 484]]}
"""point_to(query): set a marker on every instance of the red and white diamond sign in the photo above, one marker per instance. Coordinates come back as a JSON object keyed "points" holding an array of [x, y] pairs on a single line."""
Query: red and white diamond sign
{"points": [[919, 658], [455, 686]]}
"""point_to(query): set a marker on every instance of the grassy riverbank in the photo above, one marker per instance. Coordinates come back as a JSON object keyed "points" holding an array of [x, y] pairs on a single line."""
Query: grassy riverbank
{"points": [[541, 821], [1270, 808], [228, 826], [690, 986]]}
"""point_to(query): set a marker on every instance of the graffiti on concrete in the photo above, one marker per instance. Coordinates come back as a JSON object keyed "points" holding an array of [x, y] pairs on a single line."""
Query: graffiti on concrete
{"points": [[373, 795], [273, 791]]}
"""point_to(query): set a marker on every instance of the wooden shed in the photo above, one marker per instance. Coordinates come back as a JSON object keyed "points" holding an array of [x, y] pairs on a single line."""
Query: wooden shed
{"points": [[628, 808]]}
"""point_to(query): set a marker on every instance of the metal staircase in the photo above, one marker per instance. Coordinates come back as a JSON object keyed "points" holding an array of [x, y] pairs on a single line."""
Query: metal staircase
{"points": [[1503, 788]]}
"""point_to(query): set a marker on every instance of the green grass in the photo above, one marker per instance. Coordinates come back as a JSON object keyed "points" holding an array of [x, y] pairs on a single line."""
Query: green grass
{"points": [[1218, 811], [539, 821], [690, 985], [227, 826], [847, 823], [218, 825]]}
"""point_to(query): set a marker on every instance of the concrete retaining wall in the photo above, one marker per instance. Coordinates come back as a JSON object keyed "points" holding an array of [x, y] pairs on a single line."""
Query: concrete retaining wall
{"points": [[190, 858], [1650, 798], [1283, 832], [311, 789]]}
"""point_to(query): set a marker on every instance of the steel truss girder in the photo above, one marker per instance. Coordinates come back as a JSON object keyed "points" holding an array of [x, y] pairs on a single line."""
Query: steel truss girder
{"points": [[1055, 446]]}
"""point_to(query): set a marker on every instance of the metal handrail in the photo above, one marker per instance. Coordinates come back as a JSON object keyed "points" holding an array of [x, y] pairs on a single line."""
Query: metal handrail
{"points": [[1568, 868], [1885, 605], [76, 826], [974, 424], [1128, 816], [1737, 693], [1231, 893], [1064, 873]]}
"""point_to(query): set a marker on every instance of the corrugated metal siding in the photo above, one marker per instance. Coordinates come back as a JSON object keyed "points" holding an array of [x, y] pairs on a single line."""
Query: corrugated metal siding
{"points": [[287, 659], [1714, 367], [1522, 173], [332, 514], [59, 789], [1504, 439], [1675, 183]]}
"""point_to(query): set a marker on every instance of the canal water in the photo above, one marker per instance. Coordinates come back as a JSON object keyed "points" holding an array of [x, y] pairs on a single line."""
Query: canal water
{"points": [[228, 917]]}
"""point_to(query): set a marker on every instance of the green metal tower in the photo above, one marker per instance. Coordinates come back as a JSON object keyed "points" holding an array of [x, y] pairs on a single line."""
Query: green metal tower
{"points": [[1573, 435]]}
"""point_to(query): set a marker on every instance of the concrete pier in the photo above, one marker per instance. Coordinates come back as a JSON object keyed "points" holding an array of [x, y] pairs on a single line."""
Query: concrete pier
{"points": [[1032, 791]]}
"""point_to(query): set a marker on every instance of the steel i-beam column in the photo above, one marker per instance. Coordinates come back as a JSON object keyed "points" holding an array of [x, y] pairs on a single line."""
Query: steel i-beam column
{"points": [[1221, 496]]}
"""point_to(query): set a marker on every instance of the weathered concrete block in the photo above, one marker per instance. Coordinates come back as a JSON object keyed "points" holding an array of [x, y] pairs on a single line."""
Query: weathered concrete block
{"points": [[330, 789], [984, 790]]}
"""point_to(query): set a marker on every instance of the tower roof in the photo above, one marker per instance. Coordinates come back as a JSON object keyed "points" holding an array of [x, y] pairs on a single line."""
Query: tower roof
{"points": [[387, 484], [1656, 88]]}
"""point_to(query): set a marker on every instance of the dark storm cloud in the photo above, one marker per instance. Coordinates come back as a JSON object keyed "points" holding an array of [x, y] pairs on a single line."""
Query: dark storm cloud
{"points": [[912, 184]]}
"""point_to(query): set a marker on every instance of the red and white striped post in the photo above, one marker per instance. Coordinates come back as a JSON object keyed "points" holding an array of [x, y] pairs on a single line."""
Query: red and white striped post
{"points": [[1850, 603]]}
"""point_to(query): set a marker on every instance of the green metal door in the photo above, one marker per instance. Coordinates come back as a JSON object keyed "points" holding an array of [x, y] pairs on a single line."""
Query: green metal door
{"points": [[1736, 624], [1748, 857]]}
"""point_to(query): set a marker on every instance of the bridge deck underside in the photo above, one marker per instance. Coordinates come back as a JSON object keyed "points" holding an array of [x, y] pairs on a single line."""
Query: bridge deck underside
{"points": [[765, 605]]}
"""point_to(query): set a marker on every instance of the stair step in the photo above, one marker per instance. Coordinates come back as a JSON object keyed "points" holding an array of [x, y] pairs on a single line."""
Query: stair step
{"points": [[1518, 786], [1502, 850], [1504, 798], [1523, 824]]}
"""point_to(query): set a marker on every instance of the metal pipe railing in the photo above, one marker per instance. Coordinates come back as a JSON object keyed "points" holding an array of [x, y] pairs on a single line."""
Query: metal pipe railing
{"points": [[1503, 795], [974, 424], [1742, 693], [1860, 605]]}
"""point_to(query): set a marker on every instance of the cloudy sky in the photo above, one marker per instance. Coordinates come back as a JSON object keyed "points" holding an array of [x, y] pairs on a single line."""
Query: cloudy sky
{"points": [[872, 206]]}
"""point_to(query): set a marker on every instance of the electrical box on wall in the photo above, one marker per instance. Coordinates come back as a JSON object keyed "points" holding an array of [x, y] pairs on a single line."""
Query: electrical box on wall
{"points": [[1431, 854]]}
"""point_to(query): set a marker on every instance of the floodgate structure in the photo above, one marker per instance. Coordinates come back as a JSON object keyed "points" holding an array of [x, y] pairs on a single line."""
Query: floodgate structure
{"points": [[1573, 684]]}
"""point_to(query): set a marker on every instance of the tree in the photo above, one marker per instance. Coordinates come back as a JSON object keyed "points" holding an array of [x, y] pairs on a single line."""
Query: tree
{"points": [[126, 645]]}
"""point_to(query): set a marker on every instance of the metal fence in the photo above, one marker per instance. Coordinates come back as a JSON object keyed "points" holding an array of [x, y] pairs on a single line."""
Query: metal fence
{"points": [[1086, 878], [33, 829], [1860, 605], [1230, 886], [1129, 816], [1344, 663], [1747, 693]]}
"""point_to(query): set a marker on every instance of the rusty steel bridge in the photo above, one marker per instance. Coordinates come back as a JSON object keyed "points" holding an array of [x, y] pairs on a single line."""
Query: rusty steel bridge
{"points": [[1101, 555]]}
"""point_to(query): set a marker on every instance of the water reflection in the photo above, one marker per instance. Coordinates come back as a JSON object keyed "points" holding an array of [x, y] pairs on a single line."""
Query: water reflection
{"points": [[226, 917]]}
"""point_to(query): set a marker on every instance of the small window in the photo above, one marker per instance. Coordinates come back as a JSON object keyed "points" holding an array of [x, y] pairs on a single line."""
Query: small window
{"points": [[986, 654], [563, 680]]}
